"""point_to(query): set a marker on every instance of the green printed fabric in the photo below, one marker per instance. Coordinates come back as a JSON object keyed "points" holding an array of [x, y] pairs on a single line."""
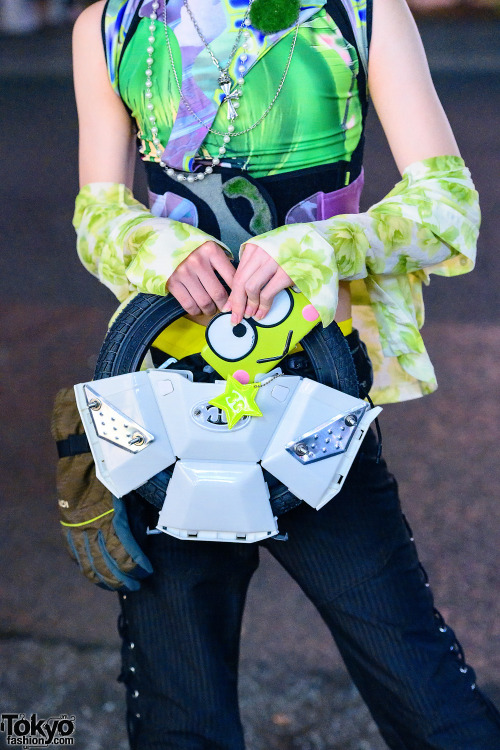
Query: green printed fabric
{"points": [[428, 223], [316, 120], [125, 245]]}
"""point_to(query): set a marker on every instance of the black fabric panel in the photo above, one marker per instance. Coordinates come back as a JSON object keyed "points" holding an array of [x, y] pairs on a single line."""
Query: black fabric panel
{"points": [[159, 182], [369, 20], [282, 190], [103, 32]]}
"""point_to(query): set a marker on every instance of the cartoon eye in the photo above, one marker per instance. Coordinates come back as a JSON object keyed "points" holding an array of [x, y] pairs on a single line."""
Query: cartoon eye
{"points": [[280, 310], [228, 342]]}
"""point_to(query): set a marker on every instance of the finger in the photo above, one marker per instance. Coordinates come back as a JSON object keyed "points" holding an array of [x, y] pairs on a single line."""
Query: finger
{"points": [[236, 302], [257, 280], [249, 251], [250, 293], [224, 267], [181, 294], [214, 288], [279, 281], [238, 298], [200, 294], [255, 257]]}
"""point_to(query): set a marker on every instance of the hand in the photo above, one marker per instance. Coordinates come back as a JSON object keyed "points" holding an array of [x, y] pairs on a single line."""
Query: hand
{"points": [[194, 283], [256, 282]]}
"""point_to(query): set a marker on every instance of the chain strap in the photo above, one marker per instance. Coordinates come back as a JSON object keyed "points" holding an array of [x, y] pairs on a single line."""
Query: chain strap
{"points": [[268, 380]]}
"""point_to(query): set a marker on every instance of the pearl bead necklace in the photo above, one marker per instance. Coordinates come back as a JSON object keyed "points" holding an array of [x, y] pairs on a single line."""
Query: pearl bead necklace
{"points": [[226, 137], [230, 132]]}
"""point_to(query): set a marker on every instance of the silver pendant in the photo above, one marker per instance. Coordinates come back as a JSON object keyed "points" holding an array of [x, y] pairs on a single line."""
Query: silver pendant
{"points": [[225, 84]]}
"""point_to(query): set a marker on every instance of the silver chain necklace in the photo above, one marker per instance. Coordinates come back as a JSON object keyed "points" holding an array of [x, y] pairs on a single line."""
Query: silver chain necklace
{"points": [[224, 74], [229, 96]]}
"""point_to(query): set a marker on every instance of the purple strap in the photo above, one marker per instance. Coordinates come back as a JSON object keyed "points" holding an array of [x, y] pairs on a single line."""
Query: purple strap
{"points": [[325, 205]]}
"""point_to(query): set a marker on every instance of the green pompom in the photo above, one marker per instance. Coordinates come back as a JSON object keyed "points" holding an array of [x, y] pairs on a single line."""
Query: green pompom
{"points": [[270, 16]]}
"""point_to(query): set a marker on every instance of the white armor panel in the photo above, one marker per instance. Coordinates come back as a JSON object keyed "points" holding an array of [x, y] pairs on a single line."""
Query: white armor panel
{"points": [[140, 423]]}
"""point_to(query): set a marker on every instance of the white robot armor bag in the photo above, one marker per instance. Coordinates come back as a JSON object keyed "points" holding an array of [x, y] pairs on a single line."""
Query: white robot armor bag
{"points": [[159, 422]]}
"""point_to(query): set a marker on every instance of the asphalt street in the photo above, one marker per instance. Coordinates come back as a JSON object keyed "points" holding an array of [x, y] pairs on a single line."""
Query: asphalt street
{"points": [[58, 641]]}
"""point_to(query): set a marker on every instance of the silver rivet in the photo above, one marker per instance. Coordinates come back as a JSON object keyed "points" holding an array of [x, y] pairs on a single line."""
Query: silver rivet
{"points": [[135, 694], [337, 445], [131, 645], [300, 449], [463, 670], [327, 440], [137, 716], [330, 432], [131, 669], [473, 686], [136, 440], [443, 629], [324, 450]]}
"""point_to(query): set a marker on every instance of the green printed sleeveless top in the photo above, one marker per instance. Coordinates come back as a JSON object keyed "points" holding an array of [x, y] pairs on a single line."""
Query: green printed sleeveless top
{"points": [[317, 119]]}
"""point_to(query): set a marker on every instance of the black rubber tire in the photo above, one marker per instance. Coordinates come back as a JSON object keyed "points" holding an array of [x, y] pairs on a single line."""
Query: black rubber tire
{"points": [[143, 319]]}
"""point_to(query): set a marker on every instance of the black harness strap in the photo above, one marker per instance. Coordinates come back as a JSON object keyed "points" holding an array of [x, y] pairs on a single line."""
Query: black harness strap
{"points": [[73, 445]]}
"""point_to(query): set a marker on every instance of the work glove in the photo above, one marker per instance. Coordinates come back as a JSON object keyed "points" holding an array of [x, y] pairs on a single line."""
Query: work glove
{"points": [[94, 522]]}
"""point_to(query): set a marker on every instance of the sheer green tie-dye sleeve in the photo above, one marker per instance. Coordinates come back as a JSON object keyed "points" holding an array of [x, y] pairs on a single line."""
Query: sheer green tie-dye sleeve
{"points": [[125, 245], [428, 223]]}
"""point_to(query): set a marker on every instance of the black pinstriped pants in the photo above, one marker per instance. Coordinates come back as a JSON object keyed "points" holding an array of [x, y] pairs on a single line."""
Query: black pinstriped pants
{"points": [[356, 562]]}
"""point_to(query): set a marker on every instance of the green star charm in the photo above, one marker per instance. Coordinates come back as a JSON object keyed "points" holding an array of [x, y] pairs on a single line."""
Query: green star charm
{"points": [[238, 400]]}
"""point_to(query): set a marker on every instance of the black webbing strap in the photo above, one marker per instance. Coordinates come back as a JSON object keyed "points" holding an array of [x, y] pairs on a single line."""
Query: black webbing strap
{"points": [[338, 13], [73, 445]]}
